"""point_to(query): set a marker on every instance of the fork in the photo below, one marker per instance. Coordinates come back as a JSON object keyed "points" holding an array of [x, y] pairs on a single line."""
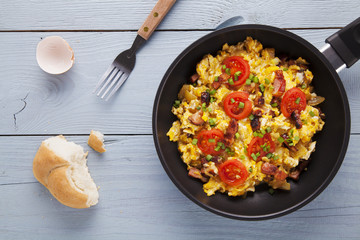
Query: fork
{"points": [[124, 63]]}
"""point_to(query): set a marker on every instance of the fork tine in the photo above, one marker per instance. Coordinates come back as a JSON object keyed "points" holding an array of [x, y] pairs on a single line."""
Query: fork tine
{"points": [[118, 85], [103, 78], [110, 78], [115, 80]]}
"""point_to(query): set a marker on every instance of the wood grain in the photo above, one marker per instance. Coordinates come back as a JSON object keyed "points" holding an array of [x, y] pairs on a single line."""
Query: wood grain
{"points": [[186, 14], [138, 200], [155, 17], [65, 103]]}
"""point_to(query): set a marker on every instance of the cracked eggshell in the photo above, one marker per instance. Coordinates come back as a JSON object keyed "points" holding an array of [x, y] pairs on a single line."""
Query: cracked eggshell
{"points": [[54, 55]]}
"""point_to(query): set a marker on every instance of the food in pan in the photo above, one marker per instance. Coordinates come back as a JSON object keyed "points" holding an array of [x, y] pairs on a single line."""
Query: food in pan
{"points": [[60, 166], [247, 117], [96, 141]]}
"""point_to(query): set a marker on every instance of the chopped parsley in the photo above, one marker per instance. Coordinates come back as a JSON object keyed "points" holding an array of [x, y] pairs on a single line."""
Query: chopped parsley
{"points": [[212, 122], [262, 87], [231, 81], [177, 103]]}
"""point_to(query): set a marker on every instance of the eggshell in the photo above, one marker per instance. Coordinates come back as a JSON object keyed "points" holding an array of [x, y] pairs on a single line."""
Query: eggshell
{"points": [[54, 55]]}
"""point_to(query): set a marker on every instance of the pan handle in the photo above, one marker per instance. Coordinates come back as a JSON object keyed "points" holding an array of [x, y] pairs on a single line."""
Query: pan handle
{"points": [[343, 47]]}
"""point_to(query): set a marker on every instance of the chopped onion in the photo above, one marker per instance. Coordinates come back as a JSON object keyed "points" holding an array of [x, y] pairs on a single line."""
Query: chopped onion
{"points": [[316, 101]]}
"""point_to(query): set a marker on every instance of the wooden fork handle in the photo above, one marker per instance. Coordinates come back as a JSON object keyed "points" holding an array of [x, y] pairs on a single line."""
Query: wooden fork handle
{"points": [[155, 17]]}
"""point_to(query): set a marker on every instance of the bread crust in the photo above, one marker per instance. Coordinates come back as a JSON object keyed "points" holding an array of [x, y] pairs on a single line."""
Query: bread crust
{"points": [[51, 171], [62, 189], [95, 143], [44, 162]]}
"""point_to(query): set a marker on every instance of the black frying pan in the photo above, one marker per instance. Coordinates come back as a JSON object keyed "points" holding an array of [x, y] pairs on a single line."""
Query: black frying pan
{"points": [[332, 142]]}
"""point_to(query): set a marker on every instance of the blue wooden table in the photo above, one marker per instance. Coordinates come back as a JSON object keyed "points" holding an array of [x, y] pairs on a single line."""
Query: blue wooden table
{"points": [[137, 199]]}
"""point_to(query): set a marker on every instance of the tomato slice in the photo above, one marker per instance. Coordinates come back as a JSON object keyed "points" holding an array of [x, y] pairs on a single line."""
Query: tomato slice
{"points": [[237, 64], [237, 105], [208, 141], [233, 172], [261, 146], [293, 99]]}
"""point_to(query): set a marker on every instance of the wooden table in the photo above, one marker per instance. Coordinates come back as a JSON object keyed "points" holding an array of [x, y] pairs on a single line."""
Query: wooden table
{"points": [[137, 199]]}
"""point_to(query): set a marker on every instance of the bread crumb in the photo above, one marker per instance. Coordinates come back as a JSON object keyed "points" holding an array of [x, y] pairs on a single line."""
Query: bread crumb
{"points": [[96, 141]]}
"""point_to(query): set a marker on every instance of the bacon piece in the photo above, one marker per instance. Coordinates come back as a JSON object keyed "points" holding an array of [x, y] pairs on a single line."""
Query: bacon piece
{"points": [[257, 112], [276, 100], [321, 114], [286, 137], [259, 101], [279, 84], [280, 175], [272, 113], [196, 173], [295, 115], [230, 132], [255, 124], [196, 118], [268, 168], [215, 159], [271, 169], [194, 78], [295, 173], [223, 78], [205, 97], [249, 88], [216, 85]]}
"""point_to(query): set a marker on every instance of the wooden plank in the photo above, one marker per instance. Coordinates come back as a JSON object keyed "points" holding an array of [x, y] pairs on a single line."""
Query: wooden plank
{"points": [[186, 14], [138, 200], [65, 103]]}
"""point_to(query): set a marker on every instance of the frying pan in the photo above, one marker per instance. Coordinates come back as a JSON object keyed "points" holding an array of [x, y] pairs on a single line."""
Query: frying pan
{"points": [[343, 49]]}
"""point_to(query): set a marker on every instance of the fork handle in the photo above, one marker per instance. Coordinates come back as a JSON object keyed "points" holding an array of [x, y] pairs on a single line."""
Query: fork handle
{"points": [[155, 17]]}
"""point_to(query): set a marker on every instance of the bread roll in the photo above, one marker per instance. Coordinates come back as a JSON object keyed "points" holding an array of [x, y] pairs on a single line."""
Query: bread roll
{"points": [[96, 141], [61, 167]]}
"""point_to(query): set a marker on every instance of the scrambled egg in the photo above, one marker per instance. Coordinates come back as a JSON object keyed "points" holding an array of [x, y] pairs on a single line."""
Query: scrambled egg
{"points": [[263, 64]]}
